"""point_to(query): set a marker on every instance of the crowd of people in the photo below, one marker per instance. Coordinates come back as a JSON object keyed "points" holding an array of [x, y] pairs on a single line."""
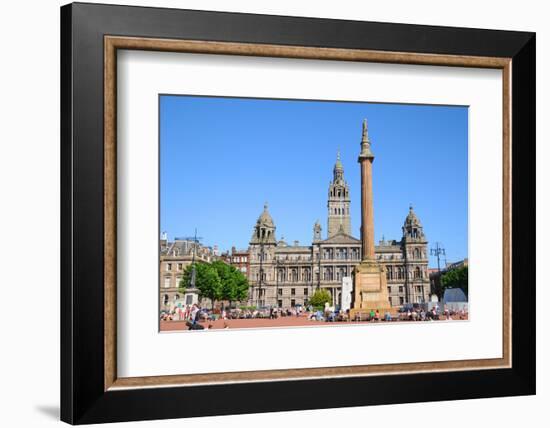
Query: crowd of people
{"points": [[197, 317], [196, 313], [420, 314]]}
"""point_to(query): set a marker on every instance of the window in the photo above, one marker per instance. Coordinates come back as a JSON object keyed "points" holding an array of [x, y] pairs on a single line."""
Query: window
{"points": [[280, 292], [400, 288], [292, 291], [305, 291], [168, 266], [279, 303], [293, 303], [176, 297], [167, 281], [180, 266], [401, 300]]}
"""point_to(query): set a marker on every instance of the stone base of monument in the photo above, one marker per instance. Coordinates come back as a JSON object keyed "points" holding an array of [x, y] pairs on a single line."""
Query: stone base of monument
{"points": [[370, 289]]}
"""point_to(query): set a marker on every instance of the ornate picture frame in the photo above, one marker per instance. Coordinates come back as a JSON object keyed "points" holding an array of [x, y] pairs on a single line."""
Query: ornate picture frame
{"points": [[91, 389]]}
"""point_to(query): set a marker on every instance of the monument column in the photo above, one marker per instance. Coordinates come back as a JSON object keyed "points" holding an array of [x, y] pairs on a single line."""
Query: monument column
{"points": [[366, 158], [370, 285], [367, 212]]}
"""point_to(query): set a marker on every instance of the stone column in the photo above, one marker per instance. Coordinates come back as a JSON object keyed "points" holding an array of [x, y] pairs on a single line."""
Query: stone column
{"points": [[367, 210], [370, 287]]}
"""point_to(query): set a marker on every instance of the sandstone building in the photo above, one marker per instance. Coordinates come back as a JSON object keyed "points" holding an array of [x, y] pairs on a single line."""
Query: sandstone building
{"points": [[174, 258], [286, 275]]}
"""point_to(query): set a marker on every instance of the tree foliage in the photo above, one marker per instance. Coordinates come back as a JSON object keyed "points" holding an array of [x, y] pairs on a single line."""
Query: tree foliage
{"points": [[234, 283], [320, 297], [456, 278], [207, 280], [216, 281]]}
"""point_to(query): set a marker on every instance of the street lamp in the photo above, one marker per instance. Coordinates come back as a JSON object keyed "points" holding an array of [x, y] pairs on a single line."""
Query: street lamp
{"points": [[277, 282], [260, 279], [438, 252]]}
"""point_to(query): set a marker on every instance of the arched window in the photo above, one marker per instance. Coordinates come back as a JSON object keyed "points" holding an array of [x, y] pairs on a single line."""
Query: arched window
{"points": [[417, 272], [416, 253]]}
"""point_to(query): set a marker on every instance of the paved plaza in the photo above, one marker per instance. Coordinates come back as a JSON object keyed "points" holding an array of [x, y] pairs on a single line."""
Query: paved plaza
{"points": [[290, 321]]}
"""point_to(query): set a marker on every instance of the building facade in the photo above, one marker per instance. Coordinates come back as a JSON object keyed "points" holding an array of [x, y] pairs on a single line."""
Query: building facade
{"points": [[174, 258], [240, 259], [286, 275]]}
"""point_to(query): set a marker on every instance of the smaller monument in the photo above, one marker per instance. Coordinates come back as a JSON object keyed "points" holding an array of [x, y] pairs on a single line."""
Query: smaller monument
{"points": [[370, 286]]}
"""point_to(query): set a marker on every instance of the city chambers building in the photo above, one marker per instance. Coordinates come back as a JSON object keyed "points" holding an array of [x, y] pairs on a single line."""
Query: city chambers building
{"points": [[286, 275]]}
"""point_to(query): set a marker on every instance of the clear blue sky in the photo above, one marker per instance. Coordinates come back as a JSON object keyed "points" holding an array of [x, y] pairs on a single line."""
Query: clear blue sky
{"points": [[222, 158]]}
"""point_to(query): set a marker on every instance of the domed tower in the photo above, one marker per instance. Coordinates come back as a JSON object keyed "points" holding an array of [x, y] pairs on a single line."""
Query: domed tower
{"points": [[338, 202], [412, 228], [263, 244], [264, 230], [415, 249]]}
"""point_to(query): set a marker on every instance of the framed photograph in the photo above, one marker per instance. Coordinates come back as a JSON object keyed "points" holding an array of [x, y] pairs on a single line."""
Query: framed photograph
{"points": [[266, 213]]}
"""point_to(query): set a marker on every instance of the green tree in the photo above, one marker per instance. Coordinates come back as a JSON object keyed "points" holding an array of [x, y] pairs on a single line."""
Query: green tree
{"points": [[320, 297], [207, 281], [456, 278], [234, 285]]}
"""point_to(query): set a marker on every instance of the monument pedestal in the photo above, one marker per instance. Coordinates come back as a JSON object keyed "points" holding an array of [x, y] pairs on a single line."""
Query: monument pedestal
{"points": [[370, 289]]}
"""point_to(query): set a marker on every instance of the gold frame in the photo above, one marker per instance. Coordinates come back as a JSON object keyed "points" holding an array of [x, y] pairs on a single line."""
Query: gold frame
{"points": [[112, 43]]}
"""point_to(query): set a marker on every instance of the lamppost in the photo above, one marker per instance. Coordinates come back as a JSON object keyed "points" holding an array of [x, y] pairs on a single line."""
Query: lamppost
{"points": [[438, 252], [277, 282], [319, 267], [260, 279], [407, 294]]}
